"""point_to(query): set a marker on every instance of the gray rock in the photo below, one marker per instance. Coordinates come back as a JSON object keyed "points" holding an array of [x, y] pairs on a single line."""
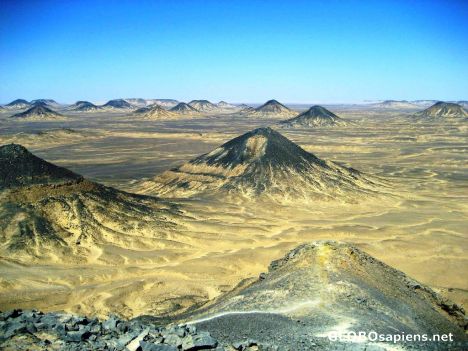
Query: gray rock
{"points": [[134, 344], [172, 339], [200, 341], [146, 346], [110, 323], [77, 336]]}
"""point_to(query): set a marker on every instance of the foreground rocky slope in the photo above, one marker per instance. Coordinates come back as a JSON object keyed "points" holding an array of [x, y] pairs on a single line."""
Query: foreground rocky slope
{"points": [[314, 292], [329, 287], [316, 116], [50, 213], [262, 163]]}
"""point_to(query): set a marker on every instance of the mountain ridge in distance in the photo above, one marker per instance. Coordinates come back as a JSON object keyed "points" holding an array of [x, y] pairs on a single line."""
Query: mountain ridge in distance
{"points": [[262, 163], [316, 116]]}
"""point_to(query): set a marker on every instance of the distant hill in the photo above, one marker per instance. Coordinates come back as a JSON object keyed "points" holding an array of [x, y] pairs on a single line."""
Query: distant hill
{"points": [[184, 109], [203, 105], [262, 163], [117, 104], [271, 109], [137, 102], [38, 112], [84, 106], [226, 105], [442, 110], [18, 104], [166, 103], [316, 116], [395, 104], [49, 102], [155, 112]]}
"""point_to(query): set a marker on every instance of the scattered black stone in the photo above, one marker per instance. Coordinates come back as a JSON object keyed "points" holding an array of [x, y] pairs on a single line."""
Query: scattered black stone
{"points": [[31, 329]]}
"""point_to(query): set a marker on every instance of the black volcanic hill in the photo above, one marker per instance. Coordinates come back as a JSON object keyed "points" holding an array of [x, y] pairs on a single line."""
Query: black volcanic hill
{"points": [[155, 111], [262, 163], [316, 116], [183, 108], [39, 111], [272, 108], [118, 104], [328, 286], [18, 104], [50, 213], [442, 110], [19, 167], [84, 106], [203, 105], [45, 101]]}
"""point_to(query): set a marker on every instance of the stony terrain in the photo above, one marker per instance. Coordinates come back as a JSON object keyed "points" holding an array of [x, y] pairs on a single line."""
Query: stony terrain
{"points": [[316, 289], [33, 330], [316, 116], [325, 287]]}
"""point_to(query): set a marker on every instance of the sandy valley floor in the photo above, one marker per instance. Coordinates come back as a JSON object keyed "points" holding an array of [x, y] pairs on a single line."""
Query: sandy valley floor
{"points": [[421, 230]]}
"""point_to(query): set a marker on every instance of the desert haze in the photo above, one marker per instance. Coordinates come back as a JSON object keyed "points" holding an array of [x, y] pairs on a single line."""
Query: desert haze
{"points": [[172, 211]]}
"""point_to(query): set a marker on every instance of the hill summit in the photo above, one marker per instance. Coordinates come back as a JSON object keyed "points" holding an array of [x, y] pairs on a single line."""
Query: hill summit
{"points": [[316, 116], [337, 284], [442, 110], [271, 108], [261, 162], [20, 167]]}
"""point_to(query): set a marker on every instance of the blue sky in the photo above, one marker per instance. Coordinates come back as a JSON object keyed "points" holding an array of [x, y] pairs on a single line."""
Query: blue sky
{"points": [[249, 51]]}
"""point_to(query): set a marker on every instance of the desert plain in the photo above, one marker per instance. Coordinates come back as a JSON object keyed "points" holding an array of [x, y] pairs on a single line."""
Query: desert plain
{"points": [[418, 227]]}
